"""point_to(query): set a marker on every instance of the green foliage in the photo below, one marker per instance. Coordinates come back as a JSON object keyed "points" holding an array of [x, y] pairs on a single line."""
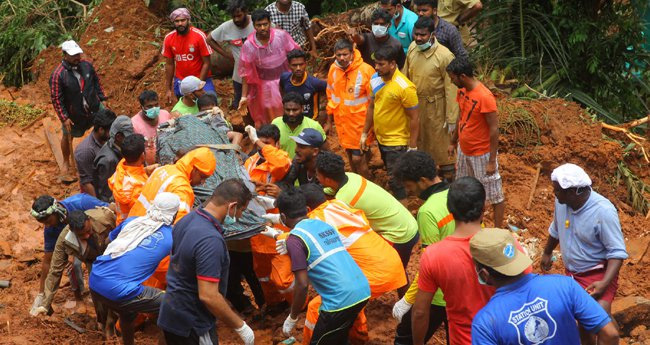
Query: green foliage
{"points": [[28, 27], [343, 5], [14, 114], [587, 51]]}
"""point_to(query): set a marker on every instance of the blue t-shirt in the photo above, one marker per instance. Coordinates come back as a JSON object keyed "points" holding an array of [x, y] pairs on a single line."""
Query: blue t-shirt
{"points": [[310, 89], [121, 278], [404, 31], [77, 202], [538, 309], [588, 236], [199, 252]]}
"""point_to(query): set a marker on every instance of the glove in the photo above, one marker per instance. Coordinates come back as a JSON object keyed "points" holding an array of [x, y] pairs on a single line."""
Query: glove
{"points": [[451, 128], [362, 141], [400, 308], [274, 218], [266, 201], [38, 311], [252, 133], [246, 334], [289, 325], [281, 247], [412, 149], [271, 232], [36, 304]]}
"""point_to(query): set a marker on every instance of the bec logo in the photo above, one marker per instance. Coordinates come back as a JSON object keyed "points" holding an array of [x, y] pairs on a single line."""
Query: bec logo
{"points": [[184, 57]]}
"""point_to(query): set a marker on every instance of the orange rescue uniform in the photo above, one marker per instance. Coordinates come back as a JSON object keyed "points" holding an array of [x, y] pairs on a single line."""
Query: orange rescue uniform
{"points": [[126, 185], [348, 98], [269, 267], [379, 261]]}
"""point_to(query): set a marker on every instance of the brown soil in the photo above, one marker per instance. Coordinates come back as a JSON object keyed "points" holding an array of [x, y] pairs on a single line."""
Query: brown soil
{"points": [[128, 61]]}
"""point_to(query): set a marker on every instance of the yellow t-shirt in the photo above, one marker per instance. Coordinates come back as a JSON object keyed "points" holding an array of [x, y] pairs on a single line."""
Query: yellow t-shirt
{"points": [[392, 98]]}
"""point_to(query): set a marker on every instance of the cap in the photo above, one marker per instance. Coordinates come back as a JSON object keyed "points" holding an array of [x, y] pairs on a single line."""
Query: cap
{"points": [[71, 48], [570, 175], [309, 137], [122, 124], [190, 84], [496, 249]]}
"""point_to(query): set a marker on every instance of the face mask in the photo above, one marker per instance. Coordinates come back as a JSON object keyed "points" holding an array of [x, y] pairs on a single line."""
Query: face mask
{"points": [[426, 45], [397, 14], [293, 120], [229, 220], [341, 66], [379, 30], [152, 113]]}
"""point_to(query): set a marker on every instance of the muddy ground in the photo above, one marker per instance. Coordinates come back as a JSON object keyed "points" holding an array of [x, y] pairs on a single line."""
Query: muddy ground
{"points": [[127, 60]]}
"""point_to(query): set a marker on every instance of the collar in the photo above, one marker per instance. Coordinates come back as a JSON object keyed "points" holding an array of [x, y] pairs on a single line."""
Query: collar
{"points": [[433, 189], [304, 79], [516, 285], [429, 52], [205, 214], [94, 140]]}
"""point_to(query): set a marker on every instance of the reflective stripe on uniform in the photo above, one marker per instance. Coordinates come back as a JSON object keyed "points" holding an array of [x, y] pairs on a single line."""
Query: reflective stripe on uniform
{"points": [[289, 289], [356, 101], [335, 99], [310, 325], [263, 279], [357, 84], [143, 200], [348, 241], [325, 256]]}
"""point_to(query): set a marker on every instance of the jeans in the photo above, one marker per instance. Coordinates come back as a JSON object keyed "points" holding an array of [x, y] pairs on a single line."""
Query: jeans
{"points": [[390, 155], [237, 87]]}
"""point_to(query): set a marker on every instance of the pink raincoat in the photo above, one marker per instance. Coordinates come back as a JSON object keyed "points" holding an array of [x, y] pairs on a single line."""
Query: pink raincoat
{"points": [[262, 67]]}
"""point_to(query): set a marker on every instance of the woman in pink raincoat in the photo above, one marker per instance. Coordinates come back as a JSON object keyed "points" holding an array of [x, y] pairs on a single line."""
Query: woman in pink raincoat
{"points": [[263, 59]]}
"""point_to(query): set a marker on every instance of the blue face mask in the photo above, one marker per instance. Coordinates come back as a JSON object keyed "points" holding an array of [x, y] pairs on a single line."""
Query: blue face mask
{"points": [[480, 280], [152, 113], [229, 220], [426, 45]]}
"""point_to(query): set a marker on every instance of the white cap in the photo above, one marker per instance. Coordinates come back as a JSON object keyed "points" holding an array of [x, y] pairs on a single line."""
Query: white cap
{"points": [[190, 84], [71, 48], [570, 175]]}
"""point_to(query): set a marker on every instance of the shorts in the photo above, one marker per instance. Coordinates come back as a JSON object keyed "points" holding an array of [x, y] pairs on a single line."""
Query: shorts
{"points": [[333, 328], [475, 166], [148, 301], [404, 250], [586, 278], [208, 338], [79, 128], [209, 87], [354, 152], [50, 236]]}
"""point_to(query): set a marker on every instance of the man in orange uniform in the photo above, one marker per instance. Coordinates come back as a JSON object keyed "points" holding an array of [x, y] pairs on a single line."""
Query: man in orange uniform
{"points": [[347, 101], [130, 175], [191, 170], [268, 166], [379, 261]]}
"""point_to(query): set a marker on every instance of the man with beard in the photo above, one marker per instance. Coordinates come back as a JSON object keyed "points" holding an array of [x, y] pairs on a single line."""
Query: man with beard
{"points": [[293, 122], [186, 53], [262, 61], [76, 96], [392, 114], [303, 167], [234, 32], [299, 80], [348, 94], [87, 150], [109, 155]]}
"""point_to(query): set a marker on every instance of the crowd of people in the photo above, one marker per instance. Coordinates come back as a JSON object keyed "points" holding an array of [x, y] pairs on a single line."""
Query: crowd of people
{"points": [[407, 86]]}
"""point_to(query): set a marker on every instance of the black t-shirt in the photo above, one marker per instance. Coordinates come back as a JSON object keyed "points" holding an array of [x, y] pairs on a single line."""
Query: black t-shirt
{"points": [[198, 253], [370, 45]]}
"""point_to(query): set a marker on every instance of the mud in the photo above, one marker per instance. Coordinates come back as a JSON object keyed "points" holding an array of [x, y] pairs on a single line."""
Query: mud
{"points": [[128, 61]]}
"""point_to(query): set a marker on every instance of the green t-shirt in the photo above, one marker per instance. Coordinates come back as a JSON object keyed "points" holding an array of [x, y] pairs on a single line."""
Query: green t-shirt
{"points": [[387, 216], [286, 143], [435, 223], [185, 110]]}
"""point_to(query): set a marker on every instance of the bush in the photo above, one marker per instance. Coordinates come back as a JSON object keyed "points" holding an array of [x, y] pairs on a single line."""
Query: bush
{"points": [[28, 27]]}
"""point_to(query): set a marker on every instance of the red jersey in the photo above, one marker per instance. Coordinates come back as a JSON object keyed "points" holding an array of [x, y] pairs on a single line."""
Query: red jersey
{"points": [[187, 50]]}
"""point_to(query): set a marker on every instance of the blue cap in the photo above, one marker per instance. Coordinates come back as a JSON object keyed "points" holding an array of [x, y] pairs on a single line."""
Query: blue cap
{"points": [[309, 137]]}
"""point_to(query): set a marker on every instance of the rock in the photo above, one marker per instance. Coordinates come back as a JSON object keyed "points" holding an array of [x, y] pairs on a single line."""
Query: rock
{"points": [[637, 248], [630, 312]]}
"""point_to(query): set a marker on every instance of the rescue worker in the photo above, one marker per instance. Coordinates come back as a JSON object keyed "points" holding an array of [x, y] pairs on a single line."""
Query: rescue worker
{"points": [[378, 261], [109, 155], [191, 170], [426, 63], [53, 215], [387, 216], [267, 167], [348, 84], [417, 171], [318, 256], [83, 238], [309, 144], [130, 175]]}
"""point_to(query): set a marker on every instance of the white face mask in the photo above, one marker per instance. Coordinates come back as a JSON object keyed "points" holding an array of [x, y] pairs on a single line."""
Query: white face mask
{"points": [[379, 30]]}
